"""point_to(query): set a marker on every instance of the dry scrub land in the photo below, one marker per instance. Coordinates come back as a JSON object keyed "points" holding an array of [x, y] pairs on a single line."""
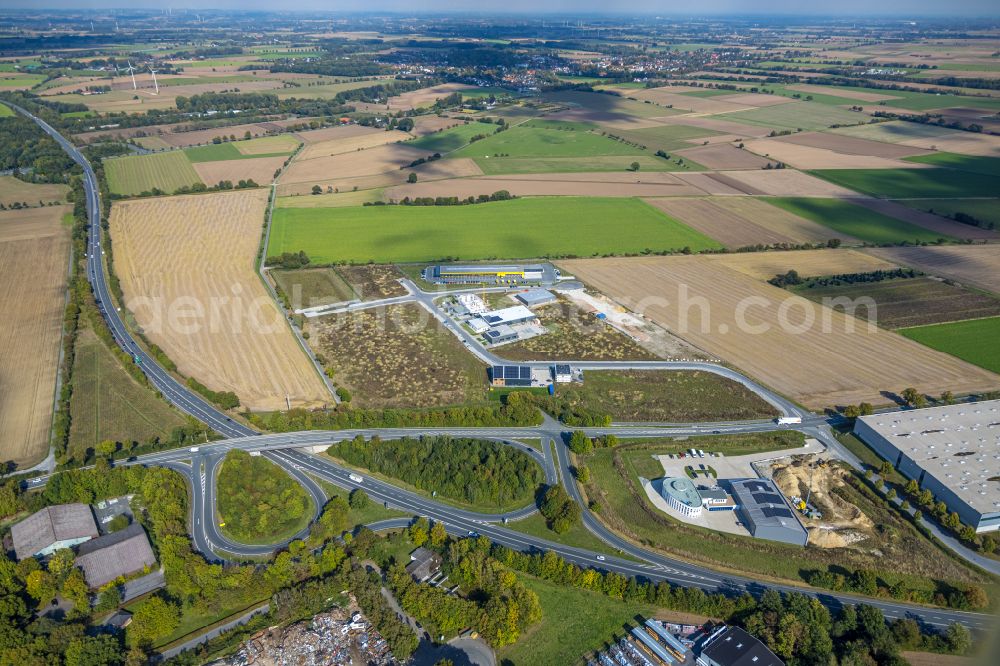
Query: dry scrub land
{"points": [[777, 337], [574, 335], [186, 268], [399, 356], [34, 256]]}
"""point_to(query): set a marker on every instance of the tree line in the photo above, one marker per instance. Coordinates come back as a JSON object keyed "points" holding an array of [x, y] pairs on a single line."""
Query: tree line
{"points": [[516, 410], [477, 471]]}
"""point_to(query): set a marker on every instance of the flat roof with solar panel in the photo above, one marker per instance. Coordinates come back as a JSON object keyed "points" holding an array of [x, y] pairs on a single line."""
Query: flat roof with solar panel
{"points": [[511, 375], [766, 513]]}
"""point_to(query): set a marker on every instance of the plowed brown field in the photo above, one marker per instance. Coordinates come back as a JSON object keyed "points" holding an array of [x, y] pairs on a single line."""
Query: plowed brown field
{"points": [[712, 219], [186, 268], [724, 156], [977, 265], [766, 332], [34, 253]]}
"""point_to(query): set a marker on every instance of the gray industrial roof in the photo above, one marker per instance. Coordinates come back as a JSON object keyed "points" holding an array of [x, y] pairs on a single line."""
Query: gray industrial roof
{"points": [[116, 554], [957, 444], [764, 505], [53, 523], [536, 297], [735, 647]]}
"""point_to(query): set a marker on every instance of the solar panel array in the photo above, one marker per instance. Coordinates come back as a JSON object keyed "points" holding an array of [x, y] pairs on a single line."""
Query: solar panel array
{"points": [[508, 372], [767, 498], [776, 512]]}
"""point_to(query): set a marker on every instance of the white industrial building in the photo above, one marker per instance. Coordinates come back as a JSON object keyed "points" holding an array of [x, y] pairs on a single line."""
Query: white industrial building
{"points": [[517, 314], [472, 303], [952, 450]]}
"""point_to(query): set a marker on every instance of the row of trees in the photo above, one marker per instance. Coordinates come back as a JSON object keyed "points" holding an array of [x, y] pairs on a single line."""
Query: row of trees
{"points": [[481, 472], [24, 146], [516, 410]]}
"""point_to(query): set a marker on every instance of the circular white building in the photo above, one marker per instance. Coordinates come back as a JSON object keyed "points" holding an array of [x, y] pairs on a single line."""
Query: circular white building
{"points": [[682, 496]]}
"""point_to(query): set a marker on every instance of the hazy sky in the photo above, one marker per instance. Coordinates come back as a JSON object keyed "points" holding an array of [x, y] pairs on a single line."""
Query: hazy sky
{"points": [[746, 7]]}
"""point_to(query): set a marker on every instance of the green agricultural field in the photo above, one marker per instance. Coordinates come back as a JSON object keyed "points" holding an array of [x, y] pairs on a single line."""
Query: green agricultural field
{"points": [[520, 228], [854, 220], [331, 200], [258, 502], [6, 111], [141, 173], [268, 145], [987, 210], [324, 91], [222, 152], [512, 166], [545, 140], [989, 166], [452, 138], [108, 404], [914, 183], [974, 341], [796, 116]]}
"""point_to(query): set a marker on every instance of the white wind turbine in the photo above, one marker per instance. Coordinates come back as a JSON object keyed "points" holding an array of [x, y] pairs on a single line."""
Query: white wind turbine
{"points": [[131, 70], [155, 84]]}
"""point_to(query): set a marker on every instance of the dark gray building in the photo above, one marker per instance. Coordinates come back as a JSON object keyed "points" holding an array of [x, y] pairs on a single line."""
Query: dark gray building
{"points": [[732, 646], [766, 513]]}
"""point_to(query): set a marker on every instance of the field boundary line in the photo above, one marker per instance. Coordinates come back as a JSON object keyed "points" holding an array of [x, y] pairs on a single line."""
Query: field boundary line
{"points": [[261, 269]]}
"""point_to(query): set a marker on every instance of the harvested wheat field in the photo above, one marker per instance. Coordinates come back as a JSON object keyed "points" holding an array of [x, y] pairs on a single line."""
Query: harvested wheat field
{"points": [[727, 226], [784, 183], [778, 220], [34, 254], [846, 93], [718, 124], [350, 144], [551, 184], [766, 332], [808, 263], [259, 169], [198, 137], [186, 266], [712, 183], [851, 145], [812, 157], [723, 156], [754, 99], [334, 133], [935, 223], [423, 97], [665, 97], [424, 125], [358, 163], [977, 265], [966, 143]]}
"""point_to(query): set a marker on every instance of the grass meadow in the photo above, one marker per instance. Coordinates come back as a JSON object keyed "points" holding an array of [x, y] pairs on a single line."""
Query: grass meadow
{"points": [[134, 174], [520, 228], [108, 403], [853, 220], [914, 183], [974, 340]]}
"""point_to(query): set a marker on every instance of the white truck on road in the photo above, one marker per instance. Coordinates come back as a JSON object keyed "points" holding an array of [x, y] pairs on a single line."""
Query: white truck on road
{"points": [[356, 478], [789, 420]]}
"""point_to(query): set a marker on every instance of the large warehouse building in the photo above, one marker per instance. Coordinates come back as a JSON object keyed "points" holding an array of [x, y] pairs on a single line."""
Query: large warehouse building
{"points": [[484, 274], [952, 450], [766, 513]]}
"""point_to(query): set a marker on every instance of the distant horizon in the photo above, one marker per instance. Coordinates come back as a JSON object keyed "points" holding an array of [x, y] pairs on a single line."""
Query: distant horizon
{"points": [[886, 9]]}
